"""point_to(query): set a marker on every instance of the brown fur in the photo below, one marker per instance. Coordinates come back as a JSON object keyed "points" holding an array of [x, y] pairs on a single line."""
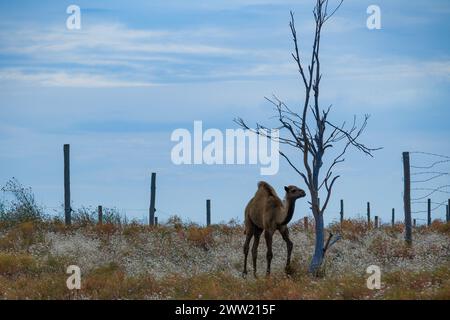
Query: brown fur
{"points": [[266, 212]]}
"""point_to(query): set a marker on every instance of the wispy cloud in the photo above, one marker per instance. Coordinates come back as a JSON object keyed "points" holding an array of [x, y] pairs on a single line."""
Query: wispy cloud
{"points": [[389, 67], [100, 55], [63, 79], [111, 37]]}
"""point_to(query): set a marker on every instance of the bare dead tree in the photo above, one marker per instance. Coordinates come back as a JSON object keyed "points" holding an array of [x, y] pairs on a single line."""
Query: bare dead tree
{"points": [[306, 131]]}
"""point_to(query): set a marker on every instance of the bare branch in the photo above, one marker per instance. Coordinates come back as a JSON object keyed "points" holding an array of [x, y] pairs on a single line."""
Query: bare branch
{"points": [[332, 239], [329, 191], [296, 55], [263, 131], [328, 16], [295, 168], [353, 138]]}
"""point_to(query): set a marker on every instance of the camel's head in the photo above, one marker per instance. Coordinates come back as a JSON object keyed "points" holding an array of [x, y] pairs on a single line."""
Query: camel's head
{"points": [[293, 192]]}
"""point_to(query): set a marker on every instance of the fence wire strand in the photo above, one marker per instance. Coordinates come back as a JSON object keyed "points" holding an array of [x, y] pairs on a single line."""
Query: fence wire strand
{"points": [[433, 190], [429, 179], [430, 166], [430, 154], [440, 204], [429, 172]]}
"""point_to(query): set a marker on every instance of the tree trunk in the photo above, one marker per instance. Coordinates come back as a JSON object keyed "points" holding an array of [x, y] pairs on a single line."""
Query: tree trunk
{"points": [[317, 258]]}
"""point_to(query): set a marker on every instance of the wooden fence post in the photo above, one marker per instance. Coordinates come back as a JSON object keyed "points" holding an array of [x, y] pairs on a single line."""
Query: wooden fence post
{"points": [[376, 222], [67, 208], [100, 214], [305, 223], [152, 200], [368, 214], [407, 197], [414, 223], [156, 221], [208, 212], [393, 217], [429, 212], [342, 211]]}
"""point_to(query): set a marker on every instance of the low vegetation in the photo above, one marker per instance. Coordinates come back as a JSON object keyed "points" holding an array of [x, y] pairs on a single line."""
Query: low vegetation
{"points": [[140, 262], [177, 260]]}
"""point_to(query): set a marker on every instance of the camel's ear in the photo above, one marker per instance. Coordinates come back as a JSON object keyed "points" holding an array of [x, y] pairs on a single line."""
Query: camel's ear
{"points": [[286, 189]]}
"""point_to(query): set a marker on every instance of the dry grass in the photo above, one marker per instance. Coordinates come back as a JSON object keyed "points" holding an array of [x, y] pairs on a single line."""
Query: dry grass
{"points": [[439, 226], [179, 261], [200, 237], [351, 229], [16, 265], [21, 237]]}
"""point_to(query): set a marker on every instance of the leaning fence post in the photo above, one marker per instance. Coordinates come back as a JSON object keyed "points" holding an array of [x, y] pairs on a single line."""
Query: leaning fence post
{"points": [[407, 197], [393, 217], [67, 208], [429, 212], [342, 211], [305, 223], [100, 214], [208, 212]]}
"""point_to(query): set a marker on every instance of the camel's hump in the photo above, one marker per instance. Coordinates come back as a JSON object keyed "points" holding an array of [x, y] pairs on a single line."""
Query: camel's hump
{"points": [[264, 185]]}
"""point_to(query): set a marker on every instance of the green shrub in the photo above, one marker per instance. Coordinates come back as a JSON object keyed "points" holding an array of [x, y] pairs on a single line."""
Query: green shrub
{"points": [[22, 208]]}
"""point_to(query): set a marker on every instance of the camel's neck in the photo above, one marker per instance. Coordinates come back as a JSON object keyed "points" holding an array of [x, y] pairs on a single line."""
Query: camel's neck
{"points": [[288, 212]]}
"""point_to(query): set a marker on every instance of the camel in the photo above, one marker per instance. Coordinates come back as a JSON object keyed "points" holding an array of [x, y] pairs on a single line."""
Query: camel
{"points": [[267, 212]]}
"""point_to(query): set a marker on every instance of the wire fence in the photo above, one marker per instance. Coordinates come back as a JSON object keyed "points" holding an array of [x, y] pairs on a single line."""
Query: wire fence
{"points": [[430, 187], [428, 184]]}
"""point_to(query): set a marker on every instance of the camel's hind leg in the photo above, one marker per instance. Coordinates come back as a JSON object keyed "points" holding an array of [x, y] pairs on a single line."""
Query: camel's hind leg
{"points": [[285, 234], [268, 234], [249, 233], [258, 232]]}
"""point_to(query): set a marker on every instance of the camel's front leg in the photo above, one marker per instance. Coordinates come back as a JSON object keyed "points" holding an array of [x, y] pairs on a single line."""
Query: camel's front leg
{"points": [[285, 234]]}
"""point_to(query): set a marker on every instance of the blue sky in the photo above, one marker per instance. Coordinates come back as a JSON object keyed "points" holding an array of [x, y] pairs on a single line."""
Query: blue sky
{"points": [[116, 89]]}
